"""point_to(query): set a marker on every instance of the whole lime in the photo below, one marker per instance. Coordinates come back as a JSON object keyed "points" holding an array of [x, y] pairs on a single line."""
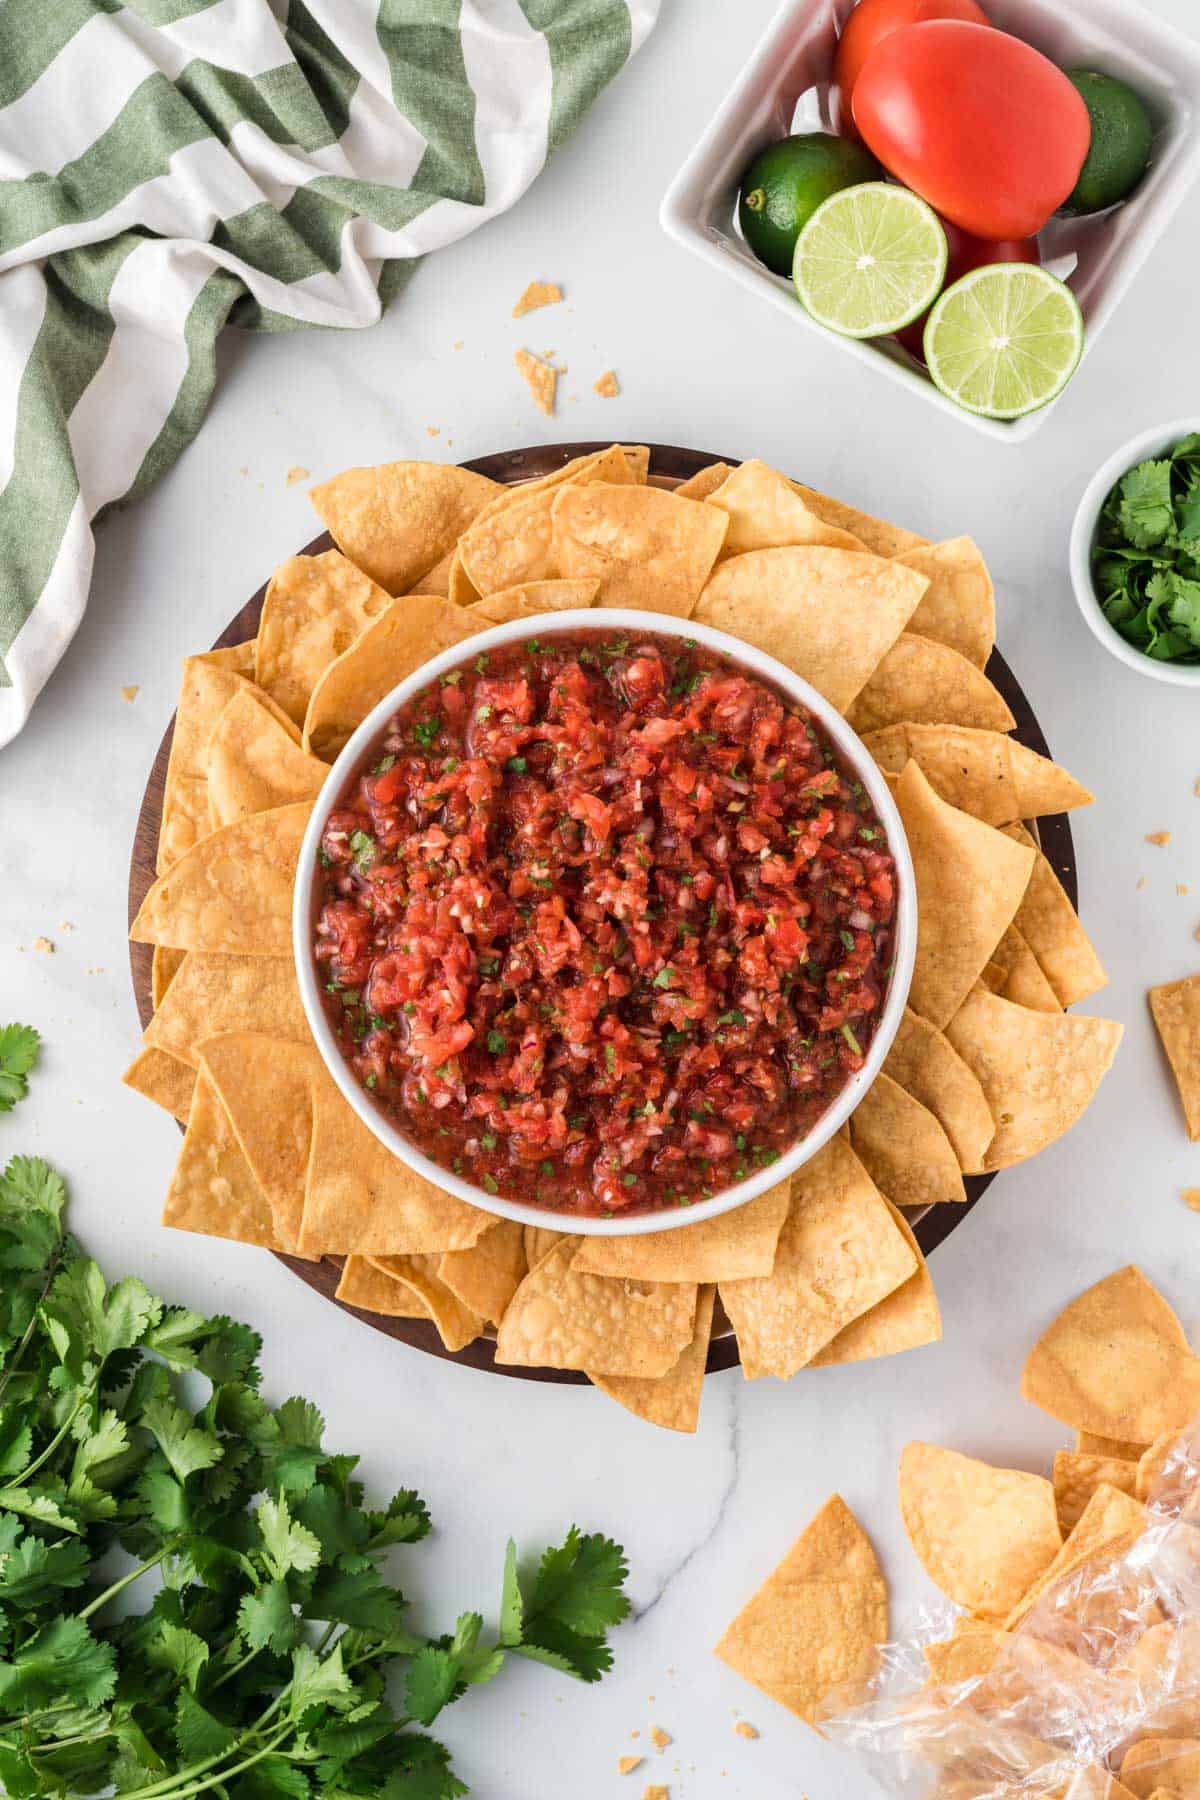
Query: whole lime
{"points": [[786, 183], [1122, 134]]}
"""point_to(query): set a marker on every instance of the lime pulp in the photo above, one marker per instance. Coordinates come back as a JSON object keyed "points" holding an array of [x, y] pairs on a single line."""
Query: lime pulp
{"points": [[870, 260], [1004, 340]]}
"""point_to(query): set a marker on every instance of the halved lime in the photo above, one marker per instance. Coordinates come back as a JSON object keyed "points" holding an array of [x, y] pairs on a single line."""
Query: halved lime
{"points": [[870, 260], [1004, 340]]}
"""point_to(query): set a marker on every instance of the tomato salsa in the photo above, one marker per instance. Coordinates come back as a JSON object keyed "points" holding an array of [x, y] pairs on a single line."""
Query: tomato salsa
{"points": [[604, 923]]}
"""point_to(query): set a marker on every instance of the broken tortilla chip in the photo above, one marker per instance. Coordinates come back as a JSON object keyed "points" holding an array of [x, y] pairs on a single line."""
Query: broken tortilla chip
{"points": [[819, 1618], [839, 1254], [765, 512], [213, 1189], [538, 293], [671, 1400], [959, 606], [1050, 926], [1115, 1361], [1077, 1477], [908, 1319], [984, 773], [255, 765], [646, 547], [1176, 1010], [903, 1147], [735, 1244], [485, 1277], [924, 1062], [922, 682], [231, 892], [969, 881], [216, 994], [966, 1654], [315, 608], [406, 634], [265, 1085], [828, 615], [541, 378], [983, 1535], [163, 1079], [607, 385], [1038, 1070], [565, 1320], [396, 520]]}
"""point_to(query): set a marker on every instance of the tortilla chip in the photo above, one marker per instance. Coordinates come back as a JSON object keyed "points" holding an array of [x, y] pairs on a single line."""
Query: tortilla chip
{"points": [[704, 482], [1050, 926], [265, 1085], [646, 547], [984, 773], [903, 1148], [460, 589], [839, 1254], [1115, 1361], [906, 1320], [1089, 1443], [406, 634], [541, 378], [529, 598], [315, 608], [1077, 1477], [731, 1246], [923, 682], [819, 1618], [1039, 1071], [966, 1654], [765, 512], [539, 1242], [456, 1325], [213, 1190], [216, 994], [238, 657], [371, 1290], [1152, 1463], [163, 1079], [829, 615], [924, 1062], [398, 519], [232, 892], [485, 1277], [359, 1198], [1110, 1522], [165, 964], [513, 545], [983, 1535], [436, 580], [673, 1399], [1164, 1765], [969, 884], [1021, 978], [959, 605], [880, 536], [209, 683], [1176, 1009], [255, 765], [538, 293], [560, 1319]]}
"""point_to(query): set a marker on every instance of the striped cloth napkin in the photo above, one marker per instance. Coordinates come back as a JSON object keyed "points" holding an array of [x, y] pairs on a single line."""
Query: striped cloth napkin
{"points": [[168, 167]]}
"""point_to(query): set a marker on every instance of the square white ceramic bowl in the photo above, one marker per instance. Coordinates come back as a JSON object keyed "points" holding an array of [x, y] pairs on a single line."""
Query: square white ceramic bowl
{"points": [[785, 87]]}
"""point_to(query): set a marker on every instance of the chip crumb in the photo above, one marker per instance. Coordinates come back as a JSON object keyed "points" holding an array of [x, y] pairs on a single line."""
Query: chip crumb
{"points": [[45, 945], [243, 470], [660, 1738], [656, 1791], [1196, 789], [1181, 887], [433, 431], [1191, 1197], [296, 473], [608, 387], [1141, 883], [745, 1729], [66, 925], [1161, 838], [541, 377], [538, 293], [129, 694], [627, 1764]]}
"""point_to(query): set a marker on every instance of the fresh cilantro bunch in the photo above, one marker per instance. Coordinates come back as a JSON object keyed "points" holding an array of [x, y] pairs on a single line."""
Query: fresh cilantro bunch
{"points": [[19, 1045], [1146, 560], [193, 1599]]}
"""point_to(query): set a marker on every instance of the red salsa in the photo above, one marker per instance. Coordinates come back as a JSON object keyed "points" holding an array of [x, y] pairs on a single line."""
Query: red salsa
{"points": [[604, 924]]}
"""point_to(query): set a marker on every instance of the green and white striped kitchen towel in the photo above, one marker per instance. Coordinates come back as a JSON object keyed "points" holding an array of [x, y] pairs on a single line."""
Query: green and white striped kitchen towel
{"points": [[168, 167]]}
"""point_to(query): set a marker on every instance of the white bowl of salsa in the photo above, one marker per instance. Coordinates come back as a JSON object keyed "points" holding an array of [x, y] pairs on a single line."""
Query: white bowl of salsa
{"points": [[604, 921]]}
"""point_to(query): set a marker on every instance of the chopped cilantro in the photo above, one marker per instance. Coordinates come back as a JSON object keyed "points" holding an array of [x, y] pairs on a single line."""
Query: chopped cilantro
{"points": [[664, 978], [384, 764], [497, 1043], [363, 848], [516, 765]]}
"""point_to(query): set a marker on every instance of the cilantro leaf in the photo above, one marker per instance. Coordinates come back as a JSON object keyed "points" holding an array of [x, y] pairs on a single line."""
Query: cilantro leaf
{"points": [[286, 1545], [198, 1735], [179, 1650], [266, 1619], [186, 1446], [62, 1663], [1145, 506], [433, 1679], [561, 1617], [19, 1045]]}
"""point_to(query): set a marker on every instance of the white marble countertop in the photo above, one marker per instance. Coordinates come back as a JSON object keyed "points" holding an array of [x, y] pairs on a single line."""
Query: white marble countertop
{"points": [[700, 363]]}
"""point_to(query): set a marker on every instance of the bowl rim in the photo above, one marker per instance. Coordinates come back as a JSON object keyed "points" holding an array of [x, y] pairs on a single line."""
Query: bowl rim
{"points": [[1143, 444], [756, 662]]}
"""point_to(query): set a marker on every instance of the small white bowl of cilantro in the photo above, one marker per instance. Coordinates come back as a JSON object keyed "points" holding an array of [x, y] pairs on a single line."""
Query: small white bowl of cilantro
{"points": [[1135, 553]]}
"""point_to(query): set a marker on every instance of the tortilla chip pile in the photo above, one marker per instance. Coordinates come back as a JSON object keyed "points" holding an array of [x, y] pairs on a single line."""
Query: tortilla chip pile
{"points": [[988, 1068], [1073, 1668]]}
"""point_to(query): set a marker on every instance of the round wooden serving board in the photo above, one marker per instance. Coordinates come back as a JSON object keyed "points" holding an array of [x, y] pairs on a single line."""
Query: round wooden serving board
{"points": [[669, 465]]}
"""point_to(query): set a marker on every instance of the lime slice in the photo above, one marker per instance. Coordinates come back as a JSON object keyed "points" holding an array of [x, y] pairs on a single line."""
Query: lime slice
{"points": [[870, 260], [1004, 340]]}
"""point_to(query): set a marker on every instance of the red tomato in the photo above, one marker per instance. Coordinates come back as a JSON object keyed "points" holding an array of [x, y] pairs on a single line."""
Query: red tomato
{"points": [[872, 21], [967, 253], [978, 123]]}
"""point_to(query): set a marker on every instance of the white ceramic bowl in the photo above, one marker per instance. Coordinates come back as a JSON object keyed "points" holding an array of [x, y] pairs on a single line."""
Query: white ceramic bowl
{"points": [[754, 661], [784, 87], [1146, 446]]}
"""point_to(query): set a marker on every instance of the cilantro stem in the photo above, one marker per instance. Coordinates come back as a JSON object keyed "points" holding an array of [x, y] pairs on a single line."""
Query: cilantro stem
{"points": [[55, 1441], [175, 1791], [126, 1580]]}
